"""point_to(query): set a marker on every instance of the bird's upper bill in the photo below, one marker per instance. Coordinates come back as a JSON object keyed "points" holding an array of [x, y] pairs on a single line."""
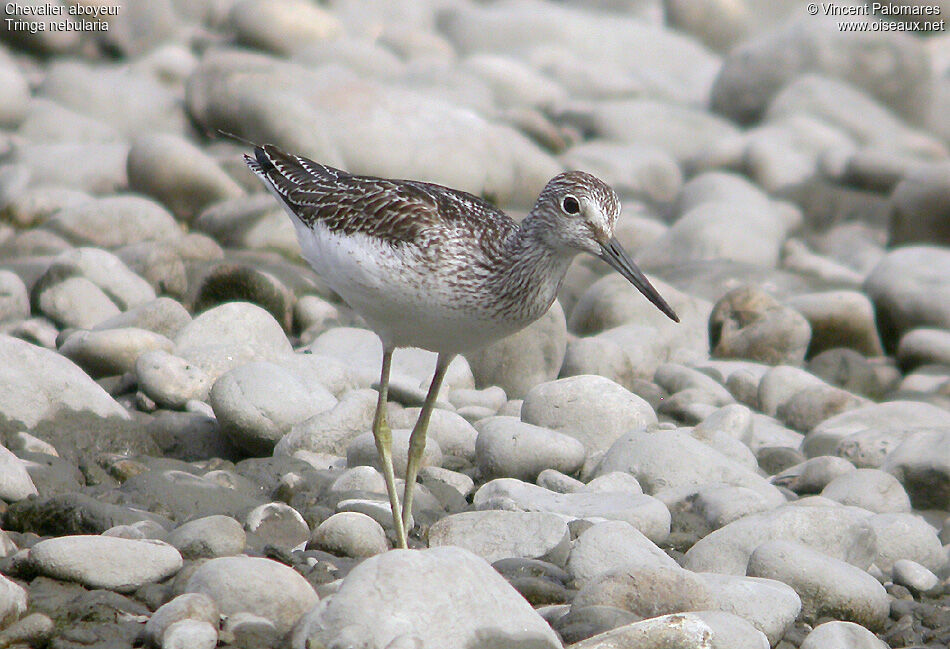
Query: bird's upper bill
{"points": [[614, 254]]}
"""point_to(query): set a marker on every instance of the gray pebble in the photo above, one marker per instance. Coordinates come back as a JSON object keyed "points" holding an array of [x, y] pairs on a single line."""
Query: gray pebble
{"points": [[509, 448], [208, 537], [169, 380], [349, 534]]}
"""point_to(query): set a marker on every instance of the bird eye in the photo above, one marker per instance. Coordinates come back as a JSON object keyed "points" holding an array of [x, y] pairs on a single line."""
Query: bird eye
{"points": [[570, 205]]}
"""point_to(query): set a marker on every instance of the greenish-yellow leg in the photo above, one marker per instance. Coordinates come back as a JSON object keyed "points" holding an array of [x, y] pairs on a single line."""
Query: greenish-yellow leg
{"points": [[417, 440], [384, 446]]}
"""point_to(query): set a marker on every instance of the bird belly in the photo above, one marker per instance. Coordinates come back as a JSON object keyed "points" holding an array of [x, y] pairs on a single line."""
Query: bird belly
{"points": [[404, 298]]}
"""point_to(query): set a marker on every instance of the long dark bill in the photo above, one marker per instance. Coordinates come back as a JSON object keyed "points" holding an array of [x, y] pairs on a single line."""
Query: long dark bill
{"points": [[619, 260]]}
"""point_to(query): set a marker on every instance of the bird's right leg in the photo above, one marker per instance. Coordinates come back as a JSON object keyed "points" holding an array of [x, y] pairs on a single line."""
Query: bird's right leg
{"points": [[384, 446]]}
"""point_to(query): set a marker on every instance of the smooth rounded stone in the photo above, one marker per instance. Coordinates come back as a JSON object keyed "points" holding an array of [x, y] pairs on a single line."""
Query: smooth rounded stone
{"points": [[496, 534], [110, 352], [190, 606], [209, 537], [671, 460], [114, 221], [827, 586], [753, 73], [41, 384], [31, 630], [359, 478], [611, 545], [720, 505], [102, 172], [612, 309], [643, 512], [734, 420], [797, 257], [190, 634], [319, 372], [601, 356], [838, 531], [509, 448], [456, 437], [648, 590], [807, 408], [14, 297], [257, 403], [841, 635], [730, 630], [614, 481], [720, 230], [592, 409], [34, 205], [871, 489], [162, 315], [108, 272], [74, 302], [684, 630], [362, 350], [105, 561], [224, 281], [349, 534], [260, 586], [512, 82], [13, 602], [444, 484], [299, 24], [924, 347], [904, 536], [769, 605], [749, 323], [584, 622], [170, 381], [332, 431], [231, 335], [158, 264], [676, 378], [15, 98], [383, 603], [15, 481], [558, 482], [249, 631], [919, 200], [278, 524], [894, 415], [522, 360], [910, 290], [641, 171], [492, 398], [813, 475], [145, 529], [913, 575], [130, 100], [839, 319], [362, 451], [23, 441], [178, 174]]}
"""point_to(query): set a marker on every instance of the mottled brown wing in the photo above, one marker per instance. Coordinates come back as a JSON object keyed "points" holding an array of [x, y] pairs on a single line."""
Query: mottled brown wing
{"points": [[395, 211]]}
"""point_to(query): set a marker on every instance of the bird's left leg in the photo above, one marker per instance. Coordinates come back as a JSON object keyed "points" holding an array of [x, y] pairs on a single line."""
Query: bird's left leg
{"points": [[417, 440]]}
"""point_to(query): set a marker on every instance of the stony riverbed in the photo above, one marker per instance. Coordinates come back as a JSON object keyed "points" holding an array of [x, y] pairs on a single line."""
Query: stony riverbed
{"points": [[185, 455]]}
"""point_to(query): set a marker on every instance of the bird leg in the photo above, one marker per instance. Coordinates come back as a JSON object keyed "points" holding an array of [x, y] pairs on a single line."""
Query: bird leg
{"points": [[384, 446], [417, 440]]}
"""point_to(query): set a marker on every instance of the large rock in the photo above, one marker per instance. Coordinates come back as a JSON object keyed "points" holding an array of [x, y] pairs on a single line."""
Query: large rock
{"points": [[592, 409], [178, 174], [257, 403], [114, 221], [910, 288], [521, 361], [610, 545], [645, 513], [838, 531], [668, 460], [495, 535], [106, 562], [264, 587], [443, 597], [748, 323], [230, 335], [827, 586], [754, 72], [41, 385], [509, 448]]}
